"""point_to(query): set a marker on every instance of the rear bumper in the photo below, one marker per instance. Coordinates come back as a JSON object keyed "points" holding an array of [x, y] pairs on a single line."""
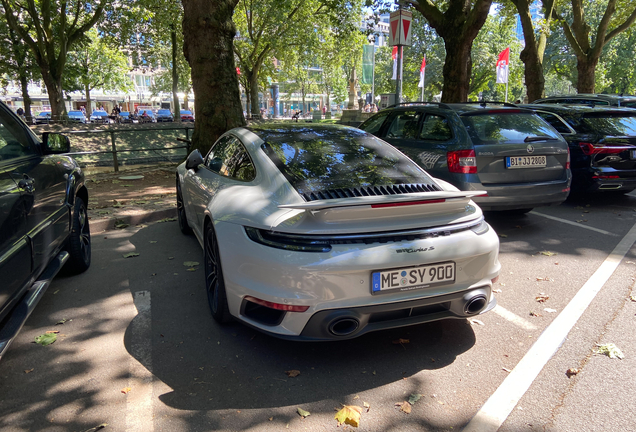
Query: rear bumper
{"points": [[14, 322], [524, 196]]}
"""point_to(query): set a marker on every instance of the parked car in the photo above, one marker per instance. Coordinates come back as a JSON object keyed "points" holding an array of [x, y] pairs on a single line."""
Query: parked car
{"points": [[43, 219], [298, 247], [124, 117], [164, 115], [602, 144], [99, 116], [43, 117], [591, 100], [76, 117], [187, 116], [146, 116], [511, 153]]}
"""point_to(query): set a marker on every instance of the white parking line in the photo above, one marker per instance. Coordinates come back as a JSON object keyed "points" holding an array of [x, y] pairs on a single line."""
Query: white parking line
{"points": [[576, 224], [139, 411], [498, 407], [513, 318]]}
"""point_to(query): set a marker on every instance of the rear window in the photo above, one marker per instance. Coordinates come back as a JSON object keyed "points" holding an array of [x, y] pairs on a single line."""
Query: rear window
{"points": [[610, 124], [186, 112], [502, 127], [322, 159], [75, 113], [163, 111]]}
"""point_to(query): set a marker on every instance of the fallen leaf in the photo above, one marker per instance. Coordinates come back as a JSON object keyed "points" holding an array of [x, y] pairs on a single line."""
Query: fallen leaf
{"points": [[506, 369], [401, 341], [534, 314], [476, 321], [503, 235], [191, 269], [496, 290], [153, 241], [131, 255], [170, 258], [126, 390], [542, 298], [549, 310], [120, 224], [190, 263], [349, 414], [292, 373], [356, 397], [28, 370], [548, 253], [610, 350], [632, 298], [46, 339], [271, 418], [96, 428], [62, 321], [172, 219], [405, 407], [303, 413], [571, 372], [52, 331], [414, 398], [366, 405]]}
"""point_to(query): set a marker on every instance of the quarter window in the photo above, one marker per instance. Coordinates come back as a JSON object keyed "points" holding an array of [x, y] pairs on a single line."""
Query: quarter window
{"points": [[555, 122], [435, 128], [374, 124], [404, 125], [230, 159]]}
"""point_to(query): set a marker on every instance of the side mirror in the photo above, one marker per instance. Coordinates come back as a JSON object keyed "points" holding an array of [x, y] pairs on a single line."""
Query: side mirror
{"points": [[194, 160], [55, 143]]}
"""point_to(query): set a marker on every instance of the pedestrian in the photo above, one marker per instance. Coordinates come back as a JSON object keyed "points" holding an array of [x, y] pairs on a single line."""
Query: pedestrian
{"points": [[20, 112]]}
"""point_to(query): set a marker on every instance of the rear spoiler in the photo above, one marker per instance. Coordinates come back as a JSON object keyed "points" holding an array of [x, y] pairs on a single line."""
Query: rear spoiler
{"points": [[383, 200]]}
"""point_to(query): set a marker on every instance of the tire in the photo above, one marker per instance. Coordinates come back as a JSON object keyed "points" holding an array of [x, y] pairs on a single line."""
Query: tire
{"points": [[214, 283], [181, 213], [79, 242]]}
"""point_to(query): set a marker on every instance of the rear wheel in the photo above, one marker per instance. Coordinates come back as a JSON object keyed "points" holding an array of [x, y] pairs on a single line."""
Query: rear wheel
{"points": [[214, 283], [79, 246], [181, 214]]}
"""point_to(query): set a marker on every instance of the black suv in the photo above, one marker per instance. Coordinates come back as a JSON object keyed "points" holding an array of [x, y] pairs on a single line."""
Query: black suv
{"points": [[510, 152], [602, 144], [591, 99], [43, 219]]}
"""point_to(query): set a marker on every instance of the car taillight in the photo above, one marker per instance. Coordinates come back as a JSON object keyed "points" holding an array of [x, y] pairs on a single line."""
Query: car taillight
{"points": [[462, 161], [567, 162], [277, 306], [591, 149]]}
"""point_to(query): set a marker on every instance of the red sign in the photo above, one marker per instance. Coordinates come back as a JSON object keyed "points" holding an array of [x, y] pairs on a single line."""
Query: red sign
{"points": [[400, 31]]}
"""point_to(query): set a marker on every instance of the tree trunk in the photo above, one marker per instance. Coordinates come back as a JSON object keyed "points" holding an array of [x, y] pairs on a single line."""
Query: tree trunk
{"points": [[208, 46], [56, 94], [253, 80], [89, 110], [24, 87], [456, 69], [175, 75], [586, 74], [530, 56], [186, 100]]}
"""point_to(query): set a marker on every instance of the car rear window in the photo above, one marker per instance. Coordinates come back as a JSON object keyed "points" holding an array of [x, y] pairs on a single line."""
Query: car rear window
{"points": [[506, 127], [314, 159], [163, 111], [610, 124]]}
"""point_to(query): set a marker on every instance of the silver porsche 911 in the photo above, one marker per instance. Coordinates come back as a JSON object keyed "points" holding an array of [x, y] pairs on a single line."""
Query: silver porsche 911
{"points": [[324, 232]]}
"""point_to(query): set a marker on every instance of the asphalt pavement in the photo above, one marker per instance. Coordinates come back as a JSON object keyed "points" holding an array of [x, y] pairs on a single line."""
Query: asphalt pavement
{"points": [[138, 350]]}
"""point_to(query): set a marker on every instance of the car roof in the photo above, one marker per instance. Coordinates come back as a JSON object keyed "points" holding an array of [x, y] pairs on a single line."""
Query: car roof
{"points": [[459, 108], [578, 109]]}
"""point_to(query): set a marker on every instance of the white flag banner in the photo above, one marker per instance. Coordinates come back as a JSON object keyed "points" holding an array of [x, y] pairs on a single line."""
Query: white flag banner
{"points": [[422, 72], [502, 66]]}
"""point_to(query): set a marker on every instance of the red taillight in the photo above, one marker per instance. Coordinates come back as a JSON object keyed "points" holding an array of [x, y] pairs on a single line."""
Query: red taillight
{"points": [[567, 162], [605, 177], [591, 149], [407, 203], [462, 161], [277, 306]]}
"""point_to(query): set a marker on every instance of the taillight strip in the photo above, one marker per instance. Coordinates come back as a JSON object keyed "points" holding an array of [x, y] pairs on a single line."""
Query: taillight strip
{"points": [[408, 203]]}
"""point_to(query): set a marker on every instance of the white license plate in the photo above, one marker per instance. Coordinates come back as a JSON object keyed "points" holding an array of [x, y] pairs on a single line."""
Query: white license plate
{"points": [[525, 161], [410, 278]]}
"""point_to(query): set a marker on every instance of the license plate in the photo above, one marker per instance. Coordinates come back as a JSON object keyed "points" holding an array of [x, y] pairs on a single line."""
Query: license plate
{"points": [[410, 278], [525, 161]]}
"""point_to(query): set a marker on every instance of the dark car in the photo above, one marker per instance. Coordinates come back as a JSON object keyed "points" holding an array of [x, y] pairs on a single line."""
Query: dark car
{"points": [[43, 117], [43, 219], [164, 115], [187, 116], [511, 153], [602, 144], [124, 117], [591, 100]]}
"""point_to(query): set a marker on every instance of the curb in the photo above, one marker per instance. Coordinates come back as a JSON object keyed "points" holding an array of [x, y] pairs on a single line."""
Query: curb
{"points": [[99, 225]]}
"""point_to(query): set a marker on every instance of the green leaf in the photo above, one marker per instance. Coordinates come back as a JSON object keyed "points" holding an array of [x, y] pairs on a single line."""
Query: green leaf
{"points": [[190, 263], [414, 398], [46, 339], [131, 255], [172, 219], [548, 253], [349, 414], [303, 413], [610, 350]]}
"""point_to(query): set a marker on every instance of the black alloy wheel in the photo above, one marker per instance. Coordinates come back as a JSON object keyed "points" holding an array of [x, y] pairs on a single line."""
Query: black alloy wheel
{"points": [[214, 284], [79, 246], [181, 213]]}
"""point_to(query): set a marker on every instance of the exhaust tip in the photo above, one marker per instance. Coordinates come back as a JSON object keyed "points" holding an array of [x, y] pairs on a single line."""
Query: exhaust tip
{"points": [[475, 304], [344, 326]]}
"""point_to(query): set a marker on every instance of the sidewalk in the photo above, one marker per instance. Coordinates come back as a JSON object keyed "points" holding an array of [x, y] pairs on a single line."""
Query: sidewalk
{"points": [[136, 194]]}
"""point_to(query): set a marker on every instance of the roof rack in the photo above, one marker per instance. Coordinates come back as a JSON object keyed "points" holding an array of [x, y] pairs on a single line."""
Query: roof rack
{"points": [[440, 104], [484, 103]]}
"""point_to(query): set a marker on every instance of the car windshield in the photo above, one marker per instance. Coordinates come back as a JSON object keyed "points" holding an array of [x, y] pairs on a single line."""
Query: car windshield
{"points": [[316, 159], [610, 124], [163, 112], [506, 127]]}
